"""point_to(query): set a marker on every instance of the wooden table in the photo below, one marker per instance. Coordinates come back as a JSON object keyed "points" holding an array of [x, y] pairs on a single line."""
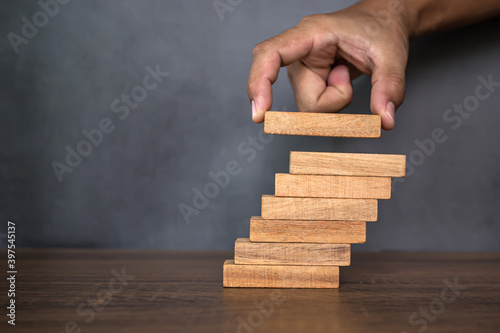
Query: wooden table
{"points": [[165, 291]]}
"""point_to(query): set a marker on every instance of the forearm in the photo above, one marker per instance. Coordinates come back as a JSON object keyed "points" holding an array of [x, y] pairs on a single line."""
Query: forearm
{"points": [[437, 15], [425, 16]]}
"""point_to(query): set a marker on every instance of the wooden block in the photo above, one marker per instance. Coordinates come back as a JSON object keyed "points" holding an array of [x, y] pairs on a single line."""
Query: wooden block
{"points": [[296, 254], [272, 276], [282, 231], [330, 209], [313, 186], [345, 164], [323, 124]]}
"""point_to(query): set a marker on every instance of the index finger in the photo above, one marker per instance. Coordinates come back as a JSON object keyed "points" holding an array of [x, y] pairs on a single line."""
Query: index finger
{"points": [[268, 57]]}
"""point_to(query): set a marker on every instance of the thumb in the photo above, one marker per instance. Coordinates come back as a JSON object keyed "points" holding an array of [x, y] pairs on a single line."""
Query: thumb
{"points": [[388, 92]]}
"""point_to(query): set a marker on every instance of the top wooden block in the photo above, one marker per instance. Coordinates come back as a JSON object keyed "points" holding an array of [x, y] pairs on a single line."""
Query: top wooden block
{"points": [[323, 124], [347, 164]]}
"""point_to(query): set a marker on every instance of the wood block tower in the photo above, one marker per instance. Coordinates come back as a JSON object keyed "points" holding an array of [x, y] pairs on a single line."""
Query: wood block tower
{"points": [[306, 229]]}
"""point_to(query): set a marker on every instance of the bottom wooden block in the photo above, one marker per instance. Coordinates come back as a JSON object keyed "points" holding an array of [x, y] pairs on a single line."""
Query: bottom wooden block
{"points": [[270, 276]]}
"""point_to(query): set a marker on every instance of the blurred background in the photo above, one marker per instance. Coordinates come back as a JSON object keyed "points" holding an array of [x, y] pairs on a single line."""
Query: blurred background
{"points": [[115, 114]]}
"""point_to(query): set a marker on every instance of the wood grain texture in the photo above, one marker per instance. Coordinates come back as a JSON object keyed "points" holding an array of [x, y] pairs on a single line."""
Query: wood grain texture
{"points": [[330, 209], [323, 124], [296, 254], [181, 292], [313, 186], [347, 164], [273, 276], [282, 231]]}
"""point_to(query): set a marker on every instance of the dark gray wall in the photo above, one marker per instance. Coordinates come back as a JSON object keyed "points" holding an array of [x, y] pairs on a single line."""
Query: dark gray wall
{"points": [[127, 191]]}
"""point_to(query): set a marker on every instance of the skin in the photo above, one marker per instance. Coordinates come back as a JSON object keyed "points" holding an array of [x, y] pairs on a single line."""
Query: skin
{"points": [[324, 52]]}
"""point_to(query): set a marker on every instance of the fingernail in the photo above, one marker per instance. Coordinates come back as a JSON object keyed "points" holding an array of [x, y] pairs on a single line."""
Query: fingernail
{"points": [[390, 111], [254, 109]]}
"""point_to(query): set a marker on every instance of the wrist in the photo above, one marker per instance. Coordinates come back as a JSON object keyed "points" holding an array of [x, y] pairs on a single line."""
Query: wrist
{"points": [[406, 13]]}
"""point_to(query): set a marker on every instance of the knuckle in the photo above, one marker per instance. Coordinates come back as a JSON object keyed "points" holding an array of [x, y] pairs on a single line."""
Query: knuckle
{"points": [[311, 18], [314, 19], [397, 86], [260, 48], [251, 87], [308, 18], [397, 82]]}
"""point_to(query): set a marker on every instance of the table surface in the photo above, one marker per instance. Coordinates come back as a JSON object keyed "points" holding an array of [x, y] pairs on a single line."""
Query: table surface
{"points": [[168, 291]]}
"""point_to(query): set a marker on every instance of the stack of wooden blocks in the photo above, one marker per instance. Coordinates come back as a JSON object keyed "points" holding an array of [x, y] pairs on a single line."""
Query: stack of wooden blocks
{"points": [[318, 210]]}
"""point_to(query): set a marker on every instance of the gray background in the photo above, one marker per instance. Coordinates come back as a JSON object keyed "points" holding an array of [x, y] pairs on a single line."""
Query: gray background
{"points": [[126, 193]]}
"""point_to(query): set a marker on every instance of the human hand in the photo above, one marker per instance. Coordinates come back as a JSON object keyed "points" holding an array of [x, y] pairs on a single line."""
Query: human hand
{"points": [[323, 53]]}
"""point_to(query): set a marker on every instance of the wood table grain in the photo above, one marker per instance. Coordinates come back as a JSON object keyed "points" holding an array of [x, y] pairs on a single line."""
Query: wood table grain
{"points": [[166, 291]]}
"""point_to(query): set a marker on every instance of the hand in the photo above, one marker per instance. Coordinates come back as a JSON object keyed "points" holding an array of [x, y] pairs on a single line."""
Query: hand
{"points": [[323, 53]]}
